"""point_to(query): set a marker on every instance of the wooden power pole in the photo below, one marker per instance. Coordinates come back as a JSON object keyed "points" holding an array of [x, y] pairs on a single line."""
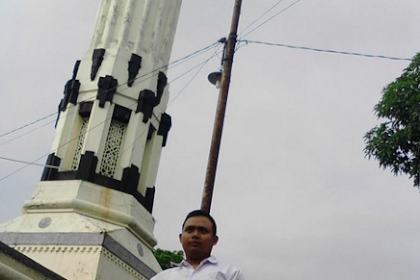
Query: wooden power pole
{"points": [[221, 109]]}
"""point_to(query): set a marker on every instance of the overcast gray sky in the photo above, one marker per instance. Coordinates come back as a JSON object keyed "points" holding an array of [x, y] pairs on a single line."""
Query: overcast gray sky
{"points": [[294, 196]]}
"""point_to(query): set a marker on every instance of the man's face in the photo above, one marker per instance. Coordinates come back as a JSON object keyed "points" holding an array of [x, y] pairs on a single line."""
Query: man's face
{"points": [[197, 238]]}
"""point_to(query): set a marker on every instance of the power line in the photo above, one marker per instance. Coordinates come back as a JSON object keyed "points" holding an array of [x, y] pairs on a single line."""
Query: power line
{"points": [[327, 51], [62, 145], [26, 125], [266, 12], [34, 162], [200, 65], [170, 65], [264, 22], [29, 163], [23, 167], [26, 133], [173, 64]]}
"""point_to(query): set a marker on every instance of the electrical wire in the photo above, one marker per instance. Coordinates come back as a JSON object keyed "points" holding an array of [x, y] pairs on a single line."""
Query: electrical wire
{"points": [[172, 64], [266, 12], [34, 162], [326, 50], [200, 65], [29, 163], [264, 22], [154, 73], [26, 125], [62, 145], [23, 167], [26, 133]]}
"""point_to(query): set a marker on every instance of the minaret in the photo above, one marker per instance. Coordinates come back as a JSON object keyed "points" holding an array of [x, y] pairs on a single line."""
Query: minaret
{"points": [[90, 217]]}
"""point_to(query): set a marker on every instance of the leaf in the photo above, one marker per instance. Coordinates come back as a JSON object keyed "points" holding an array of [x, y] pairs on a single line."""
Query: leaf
{"points": [[395, 143]]}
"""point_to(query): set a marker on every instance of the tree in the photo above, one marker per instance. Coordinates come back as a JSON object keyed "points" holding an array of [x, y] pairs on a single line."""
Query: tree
{"points": [[395, 143], [167, 259]]}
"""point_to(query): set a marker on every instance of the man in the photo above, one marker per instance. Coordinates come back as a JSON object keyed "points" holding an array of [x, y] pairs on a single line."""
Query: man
{"points": [[198, 238]]}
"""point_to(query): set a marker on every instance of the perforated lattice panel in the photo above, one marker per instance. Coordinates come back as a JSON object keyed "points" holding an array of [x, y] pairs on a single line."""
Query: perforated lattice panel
{"points": [[79, 145], [112, 149]]}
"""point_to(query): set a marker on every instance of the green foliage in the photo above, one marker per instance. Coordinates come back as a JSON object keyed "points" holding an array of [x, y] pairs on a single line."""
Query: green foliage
{"points": [[166, 259], [395, 143]]}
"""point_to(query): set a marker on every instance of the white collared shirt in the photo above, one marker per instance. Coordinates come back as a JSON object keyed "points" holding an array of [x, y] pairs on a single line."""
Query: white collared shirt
{"points": [[209, 269]]}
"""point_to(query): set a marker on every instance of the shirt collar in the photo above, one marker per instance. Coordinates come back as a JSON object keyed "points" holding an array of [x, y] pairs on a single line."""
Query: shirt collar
{"points": [[210, 259]]}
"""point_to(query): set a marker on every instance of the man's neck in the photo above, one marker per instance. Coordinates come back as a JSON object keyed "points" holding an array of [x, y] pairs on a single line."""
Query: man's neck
{"points": [[195, 262]]}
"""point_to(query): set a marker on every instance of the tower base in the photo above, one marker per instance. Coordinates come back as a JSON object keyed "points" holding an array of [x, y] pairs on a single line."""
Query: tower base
{"points": [[84, 231]]}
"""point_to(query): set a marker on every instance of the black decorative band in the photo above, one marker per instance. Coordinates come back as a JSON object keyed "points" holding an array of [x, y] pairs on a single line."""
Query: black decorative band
{"points": [[49, 172], [134, 66], [164, 127], [87, 167], [106, 89], [71, 92], [86, 172], [146, 102], [161, 84], [85, 109], [75, 69], [97, 58], [121, 114], [71, 89]]}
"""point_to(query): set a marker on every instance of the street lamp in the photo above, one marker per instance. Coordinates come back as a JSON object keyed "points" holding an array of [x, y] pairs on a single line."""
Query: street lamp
{"points": [[215, 78]]}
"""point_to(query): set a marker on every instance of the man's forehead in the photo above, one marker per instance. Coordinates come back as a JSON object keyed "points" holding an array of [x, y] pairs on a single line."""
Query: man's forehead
{"points": [[198, 221]]}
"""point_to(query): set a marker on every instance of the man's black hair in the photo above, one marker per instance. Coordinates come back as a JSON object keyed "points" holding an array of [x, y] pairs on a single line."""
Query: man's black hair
{"points": [[201, 213]]}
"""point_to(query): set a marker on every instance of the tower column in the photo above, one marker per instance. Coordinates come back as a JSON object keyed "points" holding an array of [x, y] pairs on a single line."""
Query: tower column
{"points": [[92, 217]]}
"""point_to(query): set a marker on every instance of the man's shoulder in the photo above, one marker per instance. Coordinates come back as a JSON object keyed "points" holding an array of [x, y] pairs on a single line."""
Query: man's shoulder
{"points": [[228, 271], [210, 269], [166, 274]]}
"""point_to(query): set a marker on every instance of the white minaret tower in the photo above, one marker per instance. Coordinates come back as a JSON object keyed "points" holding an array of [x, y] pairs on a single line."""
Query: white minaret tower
{"points": [[90, 217]]}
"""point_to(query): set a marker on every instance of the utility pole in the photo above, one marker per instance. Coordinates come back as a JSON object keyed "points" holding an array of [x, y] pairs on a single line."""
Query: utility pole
{"points": [[221, 109]]}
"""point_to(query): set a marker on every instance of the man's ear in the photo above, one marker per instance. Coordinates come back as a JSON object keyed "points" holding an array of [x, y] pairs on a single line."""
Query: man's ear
{"points": [[215, 239], [180, 238]]}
